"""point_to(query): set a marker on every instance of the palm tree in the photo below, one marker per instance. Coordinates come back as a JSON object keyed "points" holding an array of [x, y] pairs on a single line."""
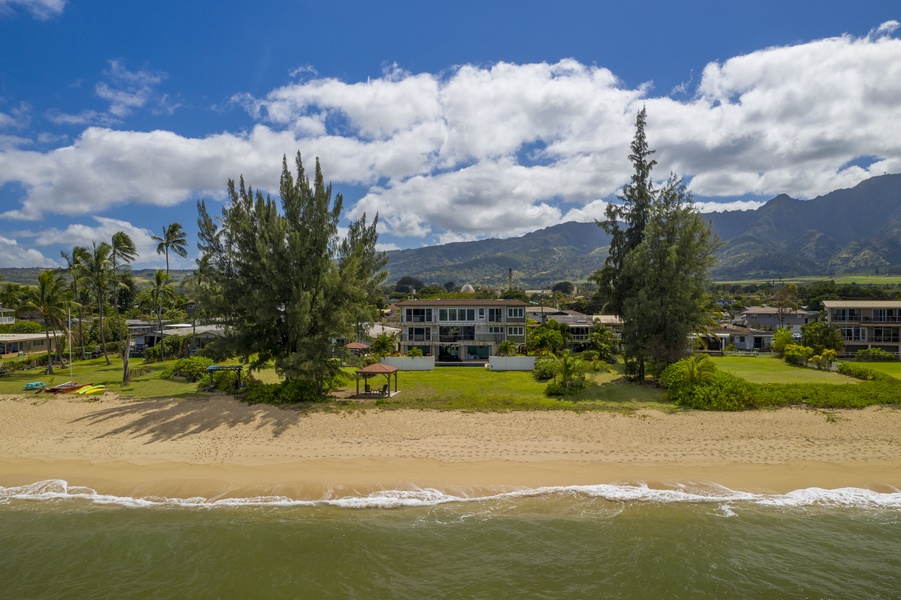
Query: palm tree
{"points": [[161, 290], [74, 264], [122, 249], [699, 369], [174, 239], [96, 270], [51, 299]]}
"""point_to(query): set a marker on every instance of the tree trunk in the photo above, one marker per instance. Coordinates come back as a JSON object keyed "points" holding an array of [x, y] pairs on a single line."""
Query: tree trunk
{"points": [[126, 349], [49, 352], [102, 332]]}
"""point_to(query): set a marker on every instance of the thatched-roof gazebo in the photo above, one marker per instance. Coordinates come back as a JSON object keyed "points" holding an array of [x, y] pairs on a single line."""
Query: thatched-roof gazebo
{"points": [[371, 371]]}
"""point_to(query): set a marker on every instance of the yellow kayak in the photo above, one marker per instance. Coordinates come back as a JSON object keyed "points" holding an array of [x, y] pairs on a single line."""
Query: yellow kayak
{"points": [[97, 389]]}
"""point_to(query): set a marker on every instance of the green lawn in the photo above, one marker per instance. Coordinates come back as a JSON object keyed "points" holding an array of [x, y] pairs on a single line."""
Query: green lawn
{"points": [[473, 388], [769, 369], [892, 368], [96, 371]]}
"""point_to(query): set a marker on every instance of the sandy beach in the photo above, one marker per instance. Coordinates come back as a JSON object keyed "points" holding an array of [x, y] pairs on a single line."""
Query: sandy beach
{"points": [[218, 447]]}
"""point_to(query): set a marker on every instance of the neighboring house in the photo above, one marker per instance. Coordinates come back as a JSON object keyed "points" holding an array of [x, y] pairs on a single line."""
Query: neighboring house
{"points": [[866, 324], [453, 330], [20, 344], [7, 316], [611, 322], [202, 335], [767, 317], [742, 338], [580, 324]]}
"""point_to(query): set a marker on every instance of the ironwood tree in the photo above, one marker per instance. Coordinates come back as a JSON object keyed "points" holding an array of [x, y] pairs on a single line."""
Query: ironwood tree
{"points": [[284, 280], [656, 274]]}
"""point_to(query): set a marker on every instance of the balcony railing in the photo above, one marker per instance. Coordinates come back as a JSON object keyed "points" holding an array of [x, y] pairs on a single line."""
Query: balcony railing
{"points": [[419, 337], [7, 320], [880, 320], [875, 339], [492, 338], [456, 338]]}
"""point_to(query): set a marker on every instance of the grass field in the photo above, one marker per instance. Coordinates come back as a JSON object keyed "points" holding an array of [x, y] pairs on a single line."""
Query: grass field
{"points": [[769, 369], [454, 388], [892, 368], [860, 279], [471, 388]]}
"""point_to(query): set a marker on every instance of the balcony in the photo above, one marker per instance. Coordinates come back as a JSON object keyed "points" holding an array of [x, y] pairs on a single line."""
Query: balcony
{"points": [[418, 337], [456, 338], [880, 320], [418, 319], [491, 338]]}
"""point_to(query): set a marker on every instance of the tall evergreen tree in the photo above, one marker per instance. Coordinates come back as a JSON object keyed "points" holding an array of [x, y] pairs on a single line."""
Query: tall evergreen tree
{"points": [[655, 275], [284, 281], [174, 239], [626, 222]]}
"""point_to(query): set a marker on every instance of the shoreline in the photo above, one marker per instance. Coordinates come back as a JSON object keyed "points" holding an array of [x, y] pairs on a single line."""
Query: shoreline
{"points": [[216, 447]]}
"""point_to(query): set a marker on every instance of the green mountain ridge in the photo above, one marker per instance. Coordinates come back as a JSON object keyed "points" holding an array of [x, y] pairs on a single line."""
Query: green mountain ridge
{"points": [[848, 231], [856, 230]]}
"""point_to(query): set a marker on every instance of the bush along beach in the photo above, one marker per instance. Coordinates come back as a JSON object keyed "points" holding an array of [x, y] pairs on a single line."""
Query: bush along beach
{"points": [[697, 383]]}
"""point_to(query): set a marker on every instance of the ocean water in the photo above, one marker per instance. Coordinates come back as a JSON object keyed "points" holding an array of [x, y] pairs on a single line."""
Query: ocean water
{"points": [[603, 541]]}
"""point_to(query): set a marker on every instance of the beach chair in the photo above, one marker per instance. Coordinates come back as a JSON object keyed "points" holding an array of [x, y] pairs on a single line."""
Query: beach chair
{"points": [[384, 390]]}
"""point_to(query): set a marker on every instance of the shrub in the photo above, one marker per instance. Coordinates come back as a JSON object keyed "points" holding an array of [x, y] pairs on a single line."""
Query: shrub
{"points": [[193, 368], [292, 391], [874, 355], [545, 368], [175, 346], [565, 388], [781, 339], [722, 391], [824, 360], [797, 355], [856, 371], [415, 352]]}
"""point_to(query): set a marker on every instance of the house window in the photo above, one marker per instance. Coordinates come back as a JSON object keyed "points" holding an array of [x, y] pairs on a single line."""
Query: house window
{"points": [[457, 314], [418, 315], [515, 331], [495, 329], [516, 313], [481, 314], [496, 315], [853, 334]]}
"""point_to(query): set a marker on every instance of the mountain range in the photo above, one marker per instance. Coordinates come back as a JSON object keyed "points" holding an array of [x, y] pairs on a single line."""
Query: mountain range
{"points": [[856, 230], [849, 231]]}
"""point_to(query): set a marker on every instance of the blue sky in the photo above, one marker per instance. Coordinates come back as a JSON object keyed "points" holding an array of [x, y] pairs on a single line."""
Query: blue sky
{"points": [[453, 121]]}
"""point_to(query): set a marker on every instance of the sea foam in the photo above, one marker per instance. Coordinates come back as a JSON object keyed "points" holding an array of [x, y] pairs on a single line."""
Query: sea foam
{"points": [[60, 490]]}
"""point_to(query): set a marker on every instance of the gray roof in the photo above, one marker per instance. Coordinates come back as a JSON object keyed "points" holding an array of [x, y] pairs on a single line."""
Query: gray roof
{"points": [[466, 302], [862, 303]]}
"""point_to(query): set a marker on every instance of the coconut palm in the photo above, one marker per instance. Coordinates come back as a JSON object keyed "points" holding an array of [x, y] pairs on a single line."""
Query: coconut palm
{"points": [[51, 298], [74, 263], [161, 290], [122, 251], [96, 270], [173, 238]]}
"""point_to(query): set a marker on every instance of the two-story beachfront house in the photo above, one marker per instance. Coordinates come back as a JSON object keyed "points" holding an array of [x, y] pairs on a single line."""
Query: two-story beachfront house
{"points": [[769, 318], [866, 324], [452, 330]]}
